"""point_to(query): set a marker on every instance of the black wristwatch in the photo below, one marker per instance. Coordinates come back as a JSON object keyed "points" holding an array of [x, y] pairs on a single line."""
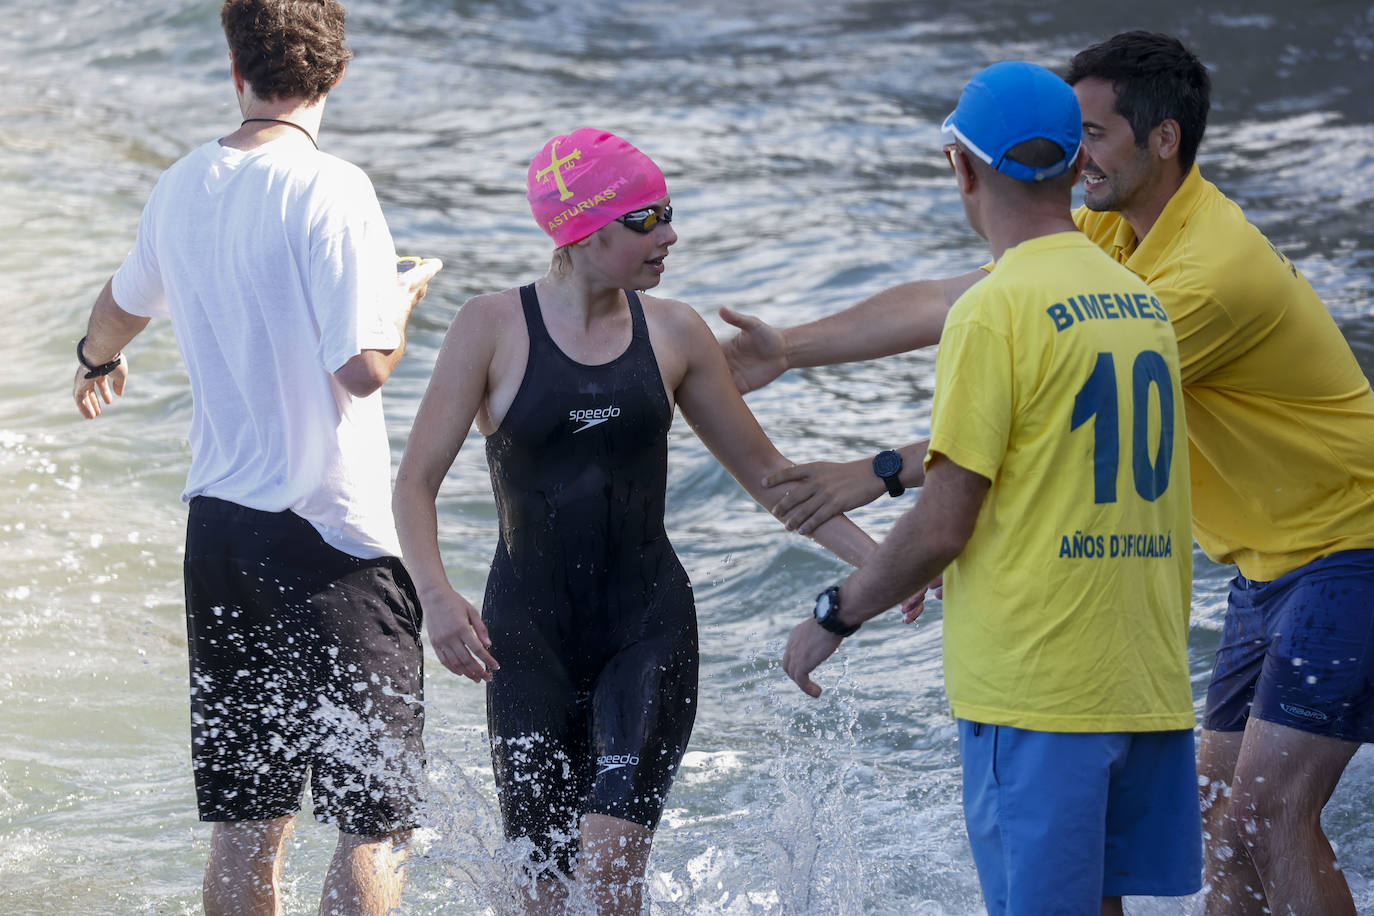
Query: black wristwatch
{"points": [[828, 612], [887, 464]]}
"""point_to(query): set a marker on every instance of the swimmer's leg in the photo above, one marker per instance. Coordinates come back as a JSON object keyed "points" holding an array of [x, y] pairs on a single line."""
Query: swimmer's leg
{"points": [[243, 874], [611, 862], [543, 765]]}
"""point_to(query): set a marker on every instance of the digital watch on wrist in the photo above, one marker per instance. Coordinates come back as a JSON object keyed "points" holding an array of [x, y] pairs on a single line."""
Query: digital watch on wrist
{"points": [[828, 612], [887, 464]]}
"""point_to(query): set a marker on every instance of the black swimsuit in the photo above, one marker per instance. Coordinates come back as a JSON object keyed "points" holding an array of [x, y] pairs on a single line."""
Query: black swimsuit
{"points": [[590, 612]]}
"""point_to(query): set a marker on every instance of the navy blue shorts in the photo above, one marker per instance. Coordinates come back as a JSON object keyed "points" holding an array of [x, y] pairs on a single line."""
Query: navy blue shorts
{"points": [[1299, 651], [306, 663]]}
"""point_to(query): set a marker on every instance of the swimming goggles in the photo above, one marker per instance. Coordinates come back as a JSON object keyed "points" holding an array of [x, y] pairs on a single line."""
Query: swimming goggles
{"points": [[644, 221]]}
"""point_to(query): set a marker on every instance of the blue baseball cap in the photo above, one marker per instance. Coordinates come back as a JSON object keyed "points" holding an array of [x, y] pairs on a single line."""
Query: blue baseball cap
{"points": [[1012, 102]]}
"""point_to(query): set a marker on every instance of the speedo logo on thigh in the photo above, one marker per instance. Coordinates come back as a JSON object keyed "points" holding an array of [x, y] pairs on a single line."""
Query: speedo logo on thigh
{"points": [[1302, 712], [615, 762], [594, 417]]}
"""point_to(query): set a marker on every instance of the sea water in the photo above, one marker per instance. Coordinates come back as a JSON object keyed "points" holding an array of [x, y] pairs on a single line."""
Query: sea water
{"points": [[801, 148]]}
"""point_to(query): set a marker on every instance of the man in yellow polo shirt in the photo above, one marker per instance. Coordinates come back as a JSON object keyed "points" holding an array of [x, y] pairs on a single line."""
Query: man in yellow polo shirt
{"points": [[1281, 432], [1057, 493]]}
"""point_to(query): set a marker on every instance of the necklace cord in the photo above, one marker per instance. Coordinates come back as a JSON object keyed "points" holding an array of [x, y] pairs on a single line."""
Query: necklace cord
{"points": [[288, 123]]}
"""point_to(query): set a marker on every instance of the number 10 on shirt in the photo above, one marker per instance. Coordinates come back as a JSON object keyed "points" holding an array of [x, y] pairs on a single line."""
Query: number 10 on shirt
{"points": [[1097, 400]]}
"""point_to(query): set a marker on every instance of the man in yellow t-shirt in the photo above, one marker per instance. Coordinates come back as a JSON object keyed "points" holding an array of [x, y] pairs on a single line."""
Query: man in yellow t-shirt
{"points": [[1056, 503], [1281, 434]]}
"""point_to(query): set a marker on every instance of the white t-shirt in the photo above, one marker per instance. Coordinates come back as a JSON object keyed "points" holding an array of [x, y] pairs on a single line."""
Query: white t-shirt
{"points": [[276, 267]]}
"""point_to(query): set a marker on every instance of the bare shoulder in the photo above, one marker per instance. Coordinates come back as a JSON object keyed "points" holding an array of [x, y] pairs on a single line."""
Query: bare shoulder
{"points": [[486, 318], [491, 308], [674, 318], [685, 346]]}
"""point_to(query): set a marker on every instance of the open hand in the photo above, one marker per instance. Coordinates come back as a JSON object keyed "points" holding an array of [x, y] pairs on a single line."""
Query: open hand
{"points": [[458, 635], [756, 355], [89, 392]]}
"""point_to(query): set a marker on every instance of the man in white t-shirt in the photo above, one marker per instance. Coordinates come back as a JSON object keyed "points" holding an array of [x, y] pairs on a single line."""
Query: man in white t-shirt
{"points": [[275, 265]]}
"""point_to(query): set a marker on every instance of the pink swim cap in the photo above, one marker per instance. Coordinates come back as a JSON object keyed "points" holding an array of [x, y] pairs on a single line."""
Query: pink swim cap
{"points": [[584, 180]]}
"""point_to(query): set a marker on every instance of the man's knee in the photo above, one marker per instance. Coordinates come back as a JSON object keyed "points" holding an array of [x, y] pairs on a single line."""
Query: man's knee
{"points": [[1273, 818], [386, 844], [366, 874], [1214, 798], [250, 842], [1218, 753], [1285, 776], [1227, 836]]}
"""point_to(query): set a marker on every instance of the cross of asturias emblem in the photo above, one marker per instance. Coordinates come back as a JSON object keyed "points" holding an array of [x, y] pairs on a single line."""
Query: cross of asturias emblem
{"points": [[555, 167]]}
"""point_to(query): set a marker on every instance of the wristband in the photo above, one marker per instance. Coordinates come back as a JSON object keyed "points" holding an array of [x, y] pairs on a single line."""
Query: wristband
{"points": [[100, 370]]}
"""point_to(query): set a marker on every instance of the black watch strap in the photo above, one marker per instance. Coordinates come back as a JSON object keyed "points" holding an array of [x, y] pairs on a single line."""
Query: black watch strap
{"points": [[830, 621], [887, 465], [93, 370]]}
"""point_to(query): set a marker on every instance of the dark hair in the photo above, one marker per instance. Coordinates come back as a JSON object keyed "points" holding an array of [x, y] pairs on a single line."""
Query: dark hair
{"points": [[1155, 78], [287, 48]]}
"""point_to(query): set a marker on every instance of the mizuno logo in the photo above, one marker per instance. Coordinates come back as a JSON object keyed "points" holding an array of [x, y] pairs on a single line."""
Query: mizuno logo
{"points": [[1302, 712], [590, 418], [615, 762]]}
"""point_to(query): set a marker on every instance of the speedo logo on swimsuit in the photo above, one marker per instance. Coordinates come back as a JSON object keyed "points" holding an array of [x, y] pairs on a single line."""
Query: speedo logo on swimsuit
{"points": [[615, 762], [1302, 712], [594, 417]]}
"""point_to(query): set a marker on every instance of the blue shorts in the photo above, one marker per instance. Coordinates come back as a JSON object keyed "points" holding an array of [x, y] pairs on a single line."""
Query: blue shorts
{"points": [[1299, 651], [1059, 820]]}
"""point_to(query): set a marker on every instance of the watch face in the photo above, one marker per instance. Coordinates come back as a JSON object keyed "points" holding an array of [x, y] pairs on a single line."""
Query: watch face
{"points": [[823, 605], [887, 463]]}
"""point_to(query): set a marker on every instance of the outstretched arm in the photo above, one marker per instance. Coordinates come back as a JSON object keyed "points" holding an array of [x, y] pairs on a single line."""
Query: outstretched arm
{"points": [[718, 414], [455, 392], [904, 317], [919, 547], [108, 332]]}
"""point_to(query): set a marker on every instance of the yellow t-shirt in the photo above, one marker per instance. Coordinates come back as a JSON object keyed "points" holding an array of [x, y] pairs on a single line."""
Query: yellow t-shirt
{"points": [[1280, 416], [1057, 379]]}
